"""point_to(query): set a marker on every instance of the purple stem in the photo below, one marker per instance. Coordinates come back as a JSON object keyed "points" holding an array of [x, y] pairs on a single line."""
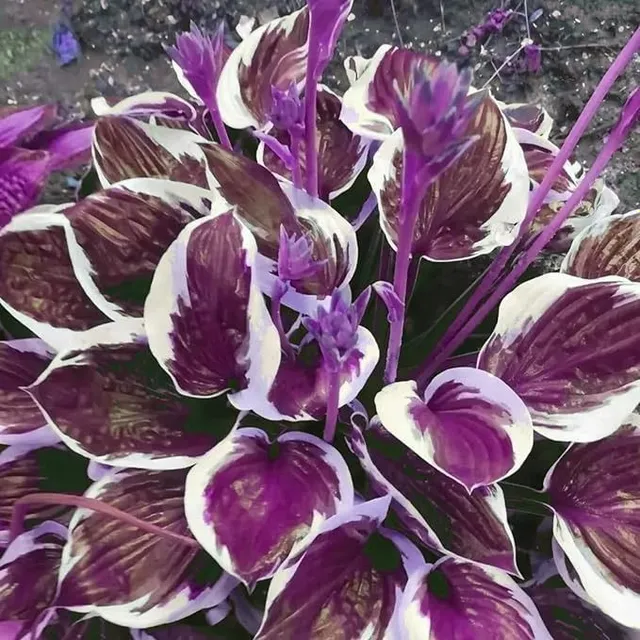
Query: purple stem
{"points": [[296, 172], [409, 214], [311, 146], [333, 399], [276, 316], [536, 200], [221, 130], [21, 508], [614, 142]]}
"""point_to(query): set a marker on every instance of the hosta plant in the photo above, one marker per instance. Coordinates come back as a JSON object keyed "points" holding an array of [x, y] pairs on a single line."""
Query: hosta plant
{"points": [[238, 401]]}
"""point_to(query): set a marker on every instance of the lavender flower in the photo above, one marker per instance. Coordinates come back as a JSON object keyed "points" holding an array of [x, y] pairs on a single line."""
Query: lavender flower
{"points": [[335, 330], [200, 57], [435, 116], [295, 259]]}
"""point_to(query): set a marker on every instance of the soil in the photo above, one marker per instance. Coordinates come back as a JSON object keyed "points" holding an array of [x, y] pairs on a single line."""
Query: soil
{"points": [[122, 44]]}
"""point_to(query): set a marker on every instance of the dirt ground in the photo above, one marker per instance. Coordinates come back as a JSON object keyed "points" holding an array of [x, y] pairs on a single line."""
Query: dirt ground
{"points": [[122, 54]]}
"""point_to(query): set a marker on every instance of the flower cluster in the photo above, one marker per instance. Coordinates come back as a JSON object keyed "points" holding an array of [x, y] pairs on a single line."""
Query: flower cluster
{"points": [[199, 437]]}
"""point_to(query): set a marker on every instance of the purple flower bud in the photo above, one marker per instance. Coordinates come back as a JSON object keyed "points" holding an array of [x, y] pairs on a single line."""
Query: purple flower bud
{"points": [[295, 259], [287, 110], [436, 115], [201, 57], [335, 330]]}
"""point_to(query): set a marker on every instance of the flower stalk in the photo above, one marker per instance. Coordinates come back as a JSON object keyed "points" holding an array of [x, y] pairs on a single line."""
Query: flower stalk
{"points": [[409, 215]]}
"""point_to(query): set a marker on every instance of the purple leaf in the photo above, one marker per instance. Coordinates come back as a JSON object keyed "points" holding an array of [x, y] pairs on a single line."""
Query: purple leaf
{"points": [[120, 234], [251, 502], [607, 247], [341, 154], [23, 174], [369, 107], [595, 490], [456, 598], [274, 55], [110, 401], [468, 424], [255, 192], [433, 508], [346, 584], [570, 348], [474, 206], [532, 117], [19, 123], [568, 617], [38, 285], [129, 576], [212, 335], [125, 148], [21, 422], [146, 104], [28, 580], [69, 145]]}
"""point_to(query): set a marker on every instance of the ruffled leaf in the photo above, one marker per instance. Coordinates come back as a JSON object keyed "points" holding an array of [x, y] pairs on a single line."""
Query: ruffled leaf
{"points": [[212, 335], [129, 576], [120, 234], [570, 348], [455, 598], [469, 425], [275, 55], [38, 285], [110, 401], [21, 422], [436, 510], [346, 584], [608, 247], [341, 154], [595, 492], [251, 502], [474, 206], [124, 148]]}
